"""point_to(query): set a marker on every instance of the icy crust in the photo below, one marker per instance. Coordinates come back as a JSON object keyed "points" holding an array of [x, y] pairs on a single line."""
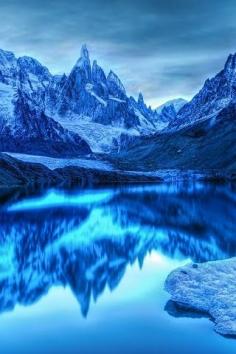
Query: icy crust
{"points": [[208, 287]]}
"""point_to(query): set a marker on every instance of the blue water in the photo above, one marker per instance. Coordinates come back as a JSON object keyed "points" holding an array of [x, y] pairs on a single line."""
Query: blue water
{"points": [[83, 271]]}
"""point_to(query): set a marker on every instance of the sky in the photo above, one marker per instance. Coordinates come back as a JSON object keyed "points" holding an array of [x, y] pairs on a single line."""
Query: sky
{"points": [[163, 48]]}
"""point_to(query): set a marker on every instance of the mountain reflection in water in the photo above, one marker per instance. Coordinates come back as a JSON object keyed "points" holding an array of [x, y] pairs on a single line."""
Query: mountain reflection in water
{"points": [[85, 239]]}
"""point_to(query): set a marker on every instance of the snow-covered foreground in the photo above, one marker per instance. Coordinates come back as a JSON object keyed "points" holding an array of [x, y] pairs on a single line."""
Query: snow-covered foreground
{"points": [[53, 163], [208, 287]]}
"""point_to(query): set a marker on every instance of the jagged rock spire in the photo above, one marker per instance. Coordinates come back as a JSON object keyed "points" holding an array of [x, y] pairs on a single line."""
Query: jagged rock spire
{"points": [[82, 68], [98, 74], [84, 53], [230, 66], [115, 85], [140, 98]]}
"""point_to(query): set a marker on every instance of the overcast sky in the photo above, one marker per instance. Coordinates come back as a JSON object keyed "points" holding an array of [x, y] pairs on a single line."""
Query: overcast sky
{"points": [[164, 48]]}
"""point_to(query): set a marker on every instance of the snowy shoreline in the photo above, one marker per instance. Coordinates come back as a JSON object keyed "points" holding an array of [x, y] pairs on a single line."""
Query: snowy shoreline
{"points": [[164, 175], [207, 288]]}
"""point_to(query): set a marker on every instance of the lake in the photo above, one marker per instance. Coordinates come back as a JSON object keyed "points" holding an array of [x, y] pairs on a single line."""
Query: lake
{"points": [[83, 270]]}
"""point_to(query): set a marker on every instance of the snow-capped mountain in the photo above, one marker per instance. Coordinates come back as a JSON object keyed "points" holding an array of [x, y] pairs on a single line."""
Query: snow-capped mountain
{"points": [[24, 125], [84, 108], [88, 94], [216, 94], [176, 103], [97, 107], [166, 114], [87, 110]]}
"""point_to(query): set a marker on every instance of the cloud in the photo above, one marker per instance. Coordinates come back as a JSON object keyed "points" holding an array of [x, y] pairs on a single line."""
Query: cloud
{"points": [[162, 48]]}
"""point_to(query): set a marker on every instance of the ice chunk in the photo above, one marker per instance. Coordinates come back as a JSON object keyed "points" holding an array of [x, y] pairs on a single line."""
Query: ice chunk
{"points": [[208, 287]]}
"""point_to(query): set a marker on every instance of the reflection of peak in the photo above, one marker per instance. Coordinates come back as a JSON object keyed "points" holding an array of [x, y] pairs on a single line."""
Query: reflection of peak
{"points": [[89, 247]]}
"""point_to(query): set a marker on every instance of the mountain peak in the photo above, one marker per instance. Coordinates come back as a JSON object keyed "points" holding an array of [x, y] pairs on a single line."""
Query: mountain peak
{"points": [[230, 65], [82, 68], [115, 84], [140, 98], [84, 59], [84, 53], [98, 73]]}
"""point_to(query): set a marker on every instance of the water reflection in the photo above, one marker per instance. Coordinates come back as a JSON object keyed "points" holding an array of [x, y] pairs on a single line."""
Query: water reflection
{"points": [[85, 239]]}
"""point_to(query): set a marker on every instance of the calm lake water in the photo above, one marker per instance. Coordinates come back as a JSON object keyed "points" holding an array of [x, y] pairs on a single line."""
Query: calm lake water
{"points": [[83, 271]]}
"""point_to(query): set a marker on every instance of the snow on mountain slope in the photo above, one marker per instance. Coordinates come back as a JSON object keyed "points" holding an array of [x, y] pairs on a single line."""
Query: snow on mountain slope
{"points": [[101, 138], [6, 104], [216, 94]]}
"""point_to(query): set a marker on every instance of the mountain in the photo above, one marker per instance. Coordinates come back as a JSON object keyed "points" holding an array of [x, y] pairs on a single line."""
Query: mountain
{"points": [[89, 111], [86, 110], [166, 114], [24, 126], [97, 106], [201, 136], [176, 103], [203, 145], [216, 94], [88, 94]]}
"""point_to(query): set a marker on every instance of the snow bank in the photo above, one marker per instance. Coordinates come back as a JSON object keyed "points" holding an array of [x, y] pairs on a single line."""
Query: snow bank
{"points": [[53, 163], [208, 287]]}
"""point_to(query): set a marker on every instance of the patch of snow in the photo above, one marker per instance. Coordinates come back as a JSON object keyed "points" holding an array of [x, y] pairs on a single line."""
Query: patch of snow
{"points": [[104, 103], [89, 88], [116, 99], [53, 163]]}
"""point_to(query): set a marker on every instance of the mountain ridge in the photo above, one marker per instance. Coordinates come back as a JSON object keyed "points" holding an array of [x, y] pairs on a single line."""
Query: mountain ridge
{"points": [[84, 96]]}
